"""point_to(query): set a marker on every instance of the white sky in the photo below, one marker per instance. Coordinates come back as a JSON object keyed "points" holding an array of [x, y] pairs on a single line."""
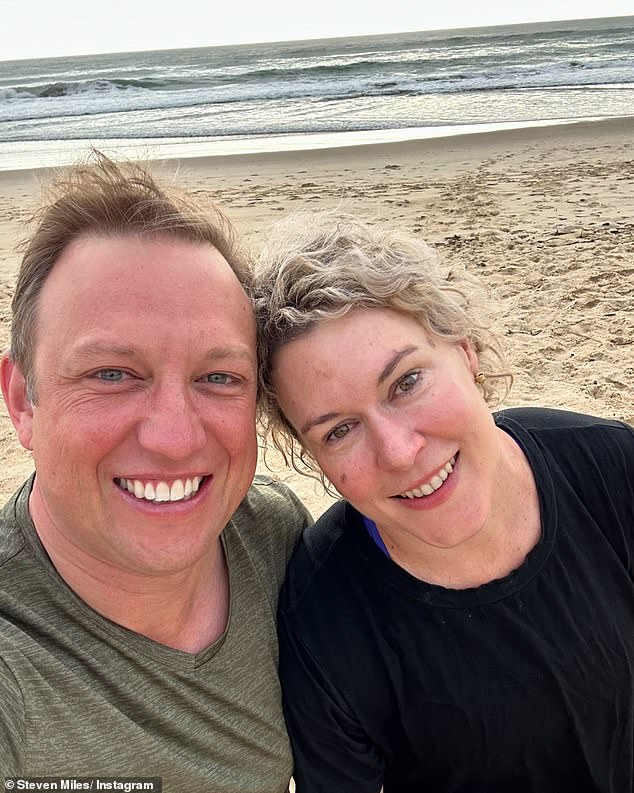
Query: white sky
{"points": [[44, 28]]}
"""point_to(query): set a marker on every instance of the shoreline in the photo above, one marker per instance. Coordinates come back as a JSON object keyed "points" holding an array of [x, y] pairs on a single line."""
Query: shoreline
{"points": [[544, 215], [54, 154], [404, 142]]}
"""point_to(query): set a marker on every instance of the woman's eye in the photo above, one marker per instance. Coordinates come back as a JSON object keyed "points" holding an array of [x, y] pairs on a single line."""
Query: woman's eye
{"points": [[407, 382], [110, 375], [339, 432]]}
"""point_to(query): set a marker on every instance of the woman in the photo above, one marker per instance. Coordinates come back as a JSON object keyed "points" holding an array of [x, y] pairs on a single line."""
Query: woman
{"points": [[464, 620]]}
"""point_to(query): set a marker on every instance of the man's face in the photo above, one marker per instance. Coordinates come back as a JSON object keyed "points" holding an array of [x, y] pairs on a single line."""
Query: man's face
{"points": [[143, 431]]}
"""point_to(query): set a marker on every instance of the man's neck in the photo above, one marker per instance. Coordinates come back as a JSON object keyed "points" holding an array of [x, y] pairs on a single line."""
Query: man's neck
{"points": [[184, 609]]}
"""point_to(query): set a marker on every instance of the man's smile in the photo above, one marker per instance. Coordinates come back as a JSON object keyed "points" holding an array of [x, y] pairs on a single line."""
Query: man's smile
{"points": [[162, 490]]}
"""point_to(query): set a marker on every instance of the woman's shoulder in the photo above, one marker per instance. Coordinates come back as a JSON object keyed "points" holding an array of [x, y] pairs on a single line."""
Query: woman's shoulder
{"points": [[580, 439], [565, 432], [579, 458], [321, 555], [538, 418]]}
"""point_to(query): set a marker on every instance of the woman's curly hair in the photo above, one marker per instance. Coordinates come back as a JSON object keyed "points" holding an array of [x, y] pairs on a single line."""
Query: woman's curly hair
{"points": [[316, 267]]}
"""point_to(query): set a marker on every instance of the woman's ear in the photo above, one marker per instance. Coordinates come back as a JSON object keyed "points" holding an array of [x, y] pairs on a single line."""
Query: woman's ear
{"points": [[471, 356], [18, 403]]}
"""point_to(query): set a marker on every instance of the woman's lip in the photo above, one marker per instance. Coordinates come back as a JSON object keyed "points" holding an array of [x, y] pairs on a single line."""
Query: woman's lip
{"points": [[426, 487], [435, 499]]}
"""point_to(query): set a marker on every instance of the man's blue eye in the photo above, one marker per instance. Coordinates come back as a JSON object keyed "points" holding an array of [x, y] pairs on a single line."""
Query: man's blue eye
{"points": [[217, 378], [110, 375]]}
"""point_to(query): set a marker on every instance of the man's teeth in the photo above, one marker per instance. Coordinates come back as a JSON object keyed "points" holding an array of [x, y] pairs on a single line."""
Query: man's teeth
{"points": [[434, 483], [178, 490]]}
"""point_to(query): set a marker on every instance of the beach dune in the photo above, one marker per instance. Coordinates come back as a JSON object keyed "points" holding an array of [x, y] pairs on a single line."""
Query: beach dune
{"points": [[544, 215]]}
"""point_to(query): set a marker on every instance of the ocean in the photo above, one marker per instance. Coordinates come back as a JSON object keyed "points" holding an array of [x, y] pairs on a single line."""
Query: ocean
{"points": [[306, 94]]}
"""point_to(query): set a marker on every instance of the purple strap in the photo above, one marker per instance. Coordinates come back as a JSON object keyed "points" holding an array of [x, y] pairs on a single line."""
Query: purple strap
{"points": [[374, 533]]}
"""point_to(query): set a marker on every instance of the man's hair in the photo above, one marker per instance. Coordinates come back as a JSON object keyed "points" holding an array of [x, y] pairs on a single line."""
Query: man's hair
{"points": [[317, 266], [108, 198]]}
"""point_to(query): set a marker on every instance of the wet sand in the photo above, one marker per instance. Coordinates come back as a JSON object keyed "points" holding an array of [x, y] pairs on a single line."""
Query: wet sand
{"points": [[544, 215]]}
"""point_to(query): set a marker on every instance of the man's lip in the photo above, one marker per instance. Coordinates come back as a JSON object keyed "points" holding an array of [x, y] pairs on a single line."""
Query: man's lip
{"points": [[162, 490]]}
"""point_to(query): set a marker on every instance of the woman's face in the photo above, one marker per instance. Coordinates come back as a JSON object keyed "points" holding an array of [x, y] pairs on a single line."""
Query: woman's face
{"points": [[394, 418]]}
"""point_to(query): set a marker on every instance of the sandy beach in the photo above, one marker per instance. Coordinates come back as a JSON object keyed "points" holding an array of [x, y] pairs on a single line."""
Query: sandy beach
{"points": [[544, 215]]}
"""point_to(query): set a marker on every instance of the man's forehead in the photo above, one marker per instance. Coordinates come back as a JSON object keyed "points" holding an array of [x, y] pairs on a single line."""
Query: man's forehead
{"points": [[141, 259], [115, 247], [151, 285]]}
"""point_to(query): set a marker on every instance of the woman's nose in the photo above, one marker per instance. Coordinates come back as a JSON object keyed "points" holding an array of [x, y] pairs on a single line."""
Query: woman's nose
{"points": [[397, 444]]}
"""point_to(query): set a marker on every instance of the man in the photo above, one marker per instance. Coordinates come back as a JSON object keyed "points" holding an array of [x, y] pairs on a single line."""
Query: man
{"points": [[139, 569]]}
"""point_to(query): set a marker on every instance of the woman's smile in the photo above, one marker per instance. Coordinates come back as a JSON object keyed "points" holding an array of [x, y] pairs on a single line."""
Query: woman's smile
{"points": [[435, 483]]}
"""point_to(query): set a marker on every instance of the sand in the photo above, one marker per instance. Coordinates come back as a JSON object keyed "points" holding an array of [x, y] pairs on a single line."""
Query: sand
{"points": [[544, 215]]}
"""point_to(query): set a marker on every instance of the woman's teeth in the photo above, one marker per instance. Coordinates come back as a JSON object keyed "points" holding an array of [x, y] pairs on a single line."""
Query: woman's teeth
{"points": [[434, 483]]}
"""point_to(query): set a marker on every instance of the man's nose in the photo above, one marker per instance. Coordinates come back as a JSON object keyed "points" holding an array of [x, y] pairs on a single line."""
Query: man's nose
{"points": [[173, 426]]}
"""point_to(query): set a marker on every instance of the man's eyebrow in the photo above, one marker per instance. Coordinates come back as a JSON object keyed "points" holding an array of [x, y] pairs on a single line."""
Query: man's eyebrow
{"points": [[239, 351], [387, 371], [394, 361], [222, 352], [88, 348]]}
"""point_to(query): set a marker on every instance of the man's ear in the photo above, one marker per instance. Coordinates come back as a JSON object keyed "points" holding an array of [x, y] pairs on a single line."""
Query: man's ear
{"points": [[18, 404]]}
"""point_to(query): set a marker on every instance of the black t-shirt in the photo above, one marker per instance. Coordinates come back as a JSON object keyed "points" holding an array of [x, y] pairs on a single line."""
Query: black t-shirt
{"points": [[523, 684]]}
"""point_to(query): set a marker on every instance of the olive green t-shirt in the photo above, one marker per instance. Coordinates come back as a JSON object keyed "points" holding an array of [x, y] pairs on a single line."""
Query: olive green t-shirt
{"points": [[81, 696]]}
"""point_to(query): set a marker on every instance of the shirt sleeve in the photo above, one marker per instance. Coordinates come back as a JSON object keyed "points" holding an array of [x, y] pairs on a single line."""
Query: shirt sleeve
{"points": [[628, 456], [330, 749], [12, 723], [610, 491]]}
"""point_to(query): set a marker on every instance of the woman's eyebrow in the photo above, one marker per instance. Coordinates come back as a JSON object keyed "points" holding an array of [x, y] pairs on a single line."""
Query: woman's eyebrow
{"points": [[317, 420], [387, 371], [394, 361]]}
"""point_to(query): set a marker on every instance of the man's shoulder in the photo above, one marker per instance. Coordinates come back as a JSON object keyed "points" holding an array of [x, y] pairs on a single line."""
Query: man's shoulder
{"points": [[12, 540], [270, 500], [269, 523]]}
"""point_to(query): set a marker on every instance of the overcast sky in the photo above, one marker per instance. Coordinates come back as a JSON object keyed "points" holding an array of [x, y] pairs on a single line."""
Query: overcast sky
{"points": [[44, 28]]}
